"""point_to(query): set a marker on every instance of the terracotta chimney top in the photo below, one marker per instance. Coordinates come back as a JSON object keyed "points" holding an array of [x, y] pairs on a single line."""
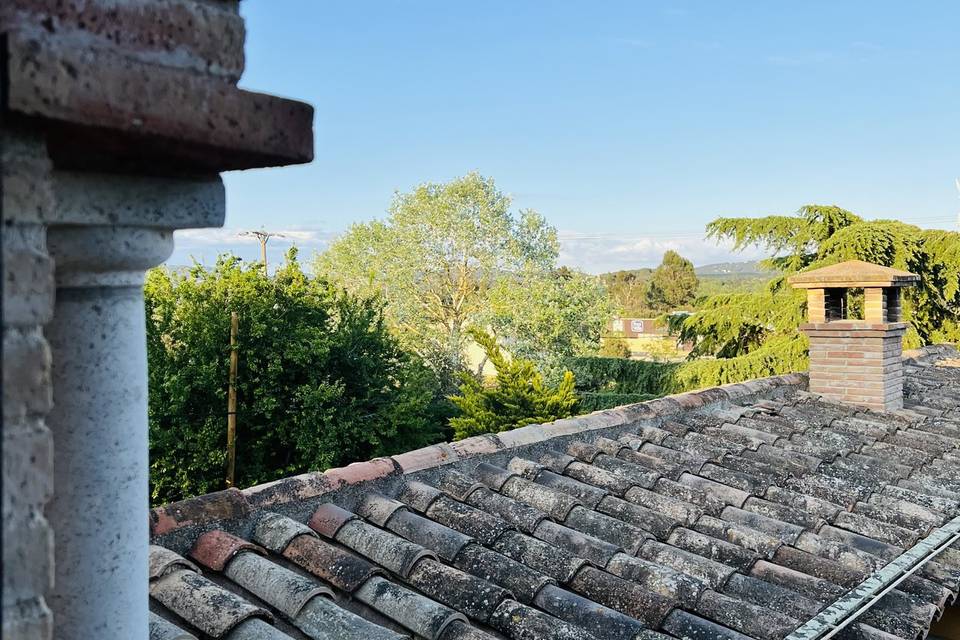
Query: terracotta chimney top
{"points": [[853, 274], [856, 361]]}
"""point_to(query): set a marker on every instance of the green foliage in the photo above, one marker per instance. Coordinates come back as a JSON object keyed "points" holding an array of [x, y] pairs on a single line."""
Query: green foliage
{"points": [[435, 259], [756, 333], [711, 285], [621, 376], [591, 401], [518, 397], [792, 240], [320, 383], [546, 317], [729, 325], [673, 285], [783, 354], [609, 382], [615, 347], [628, 290]]}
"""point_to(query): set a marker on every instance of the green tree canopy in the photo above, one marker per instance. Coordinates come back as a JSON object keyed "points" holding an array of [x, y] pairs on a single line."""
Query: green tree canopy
{"points": [[517, 397], [453, 255], [753, 334], [320, 383], [548, 316], [673, 285], [628, 290]]}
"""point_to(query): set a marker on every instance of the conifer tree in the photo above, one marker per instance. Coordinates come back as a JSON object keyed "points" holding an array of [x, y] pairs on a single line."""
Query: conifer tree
{"points": [[518, 397], [747, 335], [673, 284]]}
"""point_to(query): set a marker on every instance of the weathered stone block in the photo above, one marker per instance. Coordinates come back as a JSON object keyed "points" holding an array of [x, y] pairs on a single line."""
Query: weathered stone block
{"points": [[204, 37], [27, 620], [27, 467], [27, 386], [160, 120], [164, 203], [27, 557], [27, 196], [27, 277]]}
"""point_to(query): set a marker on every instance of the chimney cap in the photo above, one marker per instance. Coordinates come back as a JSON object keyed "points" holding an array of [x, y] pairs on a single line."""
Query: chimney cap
{"points": [[853, 274]]}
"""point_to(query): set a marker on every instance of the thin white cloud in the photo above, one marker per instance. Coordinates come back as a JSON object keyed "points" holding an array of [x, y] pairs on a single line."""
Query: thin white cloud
{"points": [[593, 253], [602, 253], [204, 245]]}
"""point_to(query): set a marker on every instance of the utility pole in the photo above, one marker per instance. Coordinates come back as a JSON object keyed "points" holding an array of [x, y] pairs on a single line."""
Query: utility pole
{"points": [[232, 403], [263, 237]]}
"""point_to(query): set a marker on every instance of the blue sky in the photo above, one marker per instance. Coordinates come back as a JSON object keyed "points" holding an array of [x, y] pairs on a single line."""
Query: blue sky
{"points": [[629, 125]]}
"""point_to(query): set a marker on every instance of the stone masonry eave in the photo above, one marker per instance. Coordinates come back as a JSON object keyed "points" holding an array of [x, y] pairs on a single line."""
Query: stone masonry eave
{"points": [[107, 112]]}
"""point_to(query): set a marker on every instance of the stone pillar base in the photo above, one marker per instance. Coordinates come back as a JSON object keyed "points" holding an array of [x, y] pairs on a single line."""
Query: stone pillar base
{"points": [[857, 362]]}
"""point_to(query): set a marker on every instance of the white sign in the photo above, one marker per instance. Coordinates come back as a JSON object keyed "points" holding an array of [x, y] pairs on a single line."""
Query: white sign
{"points": [[636, 326]]}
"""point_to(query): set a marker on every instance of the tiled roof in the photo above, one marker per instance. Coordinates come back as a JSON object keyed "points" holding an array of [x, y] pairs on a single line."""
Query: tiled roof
{"points": [[734, 513]]}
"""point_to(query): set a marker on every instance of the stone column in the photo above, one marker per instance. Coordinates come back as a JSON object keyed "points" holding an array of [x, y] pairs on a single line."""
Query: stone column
{"points": [[115, 143], [106, 232], [99, 424]]}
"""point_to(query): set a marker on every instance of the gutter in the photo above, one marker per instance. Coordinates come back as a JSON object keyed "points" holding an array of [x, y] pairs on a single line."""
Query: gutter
{"points": [[858, 600]]}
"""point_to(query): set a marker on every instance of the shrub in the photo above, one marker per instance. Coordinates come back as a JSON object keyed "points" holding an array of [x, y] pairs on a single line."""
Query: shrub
{"points": [[517, 397], [320, 382], [615, 347]]}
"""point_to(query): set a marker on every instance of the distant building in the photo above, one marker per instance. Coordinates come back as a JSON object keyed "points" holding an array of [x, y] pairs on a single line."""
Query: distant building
{"points": [[636, 327]]}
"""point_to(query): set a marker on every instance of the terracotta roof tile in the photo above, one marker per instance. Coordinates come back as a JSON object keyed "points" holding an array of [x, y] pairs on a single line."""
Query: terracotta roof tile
{"points": [[735, 513], [389, 551], [205, 605], [472, 596], [161, 629], [707, 546], [687, 625], [468, 520], [415, 612], [598, 620], [750, 619], [443, 540], [216, 548], [553, 561], [522, 581], [580, 544], [284, 590], [341, 568], [520, 621], [682, 589], [608, 528]]}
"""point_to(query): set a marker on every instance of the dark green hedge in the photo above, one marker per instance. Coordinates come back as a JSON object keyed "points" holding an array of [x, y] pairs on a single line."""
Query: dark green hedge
{"points": [[590, 401], [595, 374]]}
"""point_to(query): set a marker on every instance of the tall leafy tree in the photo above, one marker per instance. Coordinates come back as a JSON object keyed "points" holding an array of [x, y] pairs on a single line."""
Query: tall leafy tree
{"points": [[435, 259], [548, 316], [517, 397], [673, 285], [753, 334], [321, 381], [628, 290]]}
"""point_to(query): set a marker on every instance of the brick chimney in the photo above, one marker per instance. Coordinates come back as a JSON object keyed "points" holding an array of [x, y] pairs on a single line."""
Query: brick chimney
{"points": [[856, 361]]}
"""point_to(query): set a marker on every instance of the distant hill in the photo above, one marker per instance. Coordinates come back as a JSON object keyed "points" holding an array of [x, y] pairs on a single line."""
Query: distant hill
{"points": [[732, 269]]}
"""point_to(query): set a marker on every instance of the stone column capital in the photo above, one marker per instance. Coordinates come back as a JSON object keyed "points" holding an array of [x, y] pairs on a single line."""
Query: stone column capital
{"points": [[102, 256]]}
